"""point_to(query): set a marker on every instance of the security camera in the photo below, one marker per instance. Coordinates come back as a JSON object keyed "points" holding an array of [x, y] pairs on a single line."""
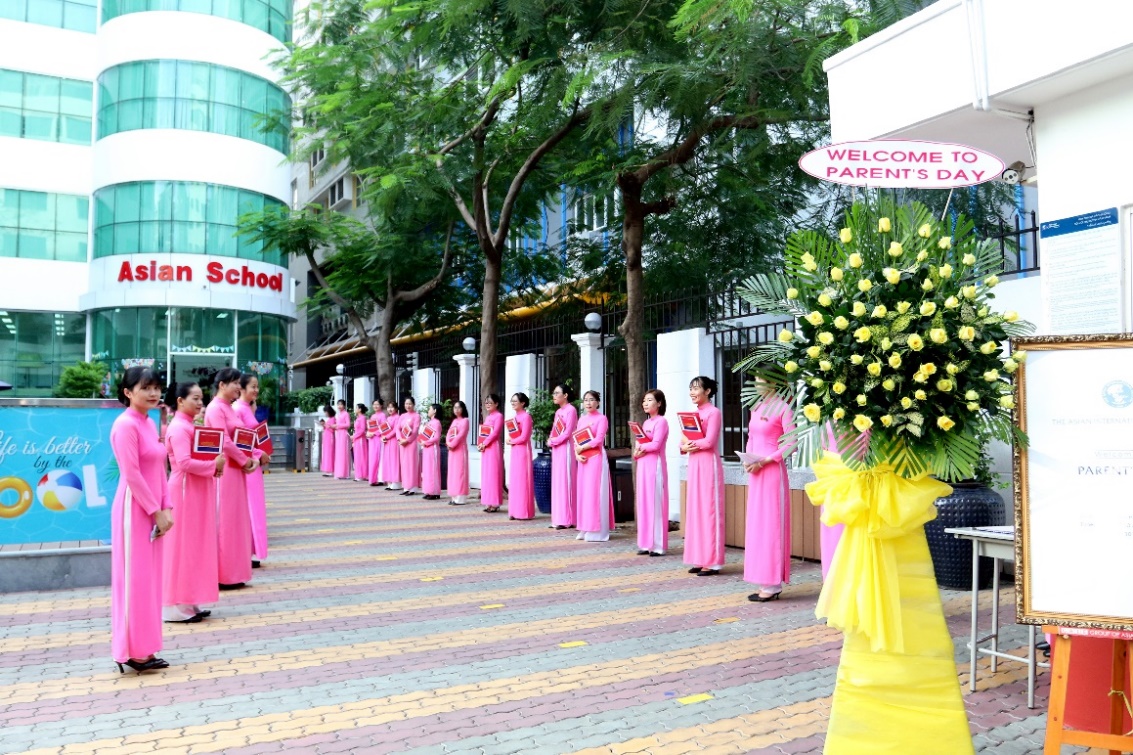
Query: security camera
{"points": [[1013, 173]]}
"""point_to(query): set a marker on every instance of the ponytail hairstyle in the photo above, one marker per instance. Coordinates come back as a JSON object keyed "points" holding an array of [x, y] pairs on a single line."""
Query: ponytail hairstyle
{"points": [[135, 378], [705, 382], [226, 375]]}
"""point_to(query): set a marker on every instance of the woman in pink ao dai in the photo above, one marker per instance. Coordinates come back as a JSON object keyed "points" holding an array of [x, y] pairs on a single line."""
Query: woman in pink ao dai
{"points": [[326, 450], [141, 507], [189, 579], [767, 541], [431, 455], [245, 407], [361, 445], [457, 442], [652, 484], [521, 475], [595, 503], [492, 456], [409, 453], [704, 501], [233, 524], [562, 459], [342, 442], [374, 447], [391, 461]]}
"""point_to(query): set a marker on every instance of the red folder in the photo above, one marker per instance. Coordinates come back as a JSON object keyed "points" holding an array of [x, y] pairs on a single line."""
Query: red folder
{"points": [[427, 433], [637, 432], [485, 431], [383, 427], [403, 430], [244, 439], [263, 438], [558, 428], [691, 426], [372, 426], [584, 439], [207, 442], [512, 427]]}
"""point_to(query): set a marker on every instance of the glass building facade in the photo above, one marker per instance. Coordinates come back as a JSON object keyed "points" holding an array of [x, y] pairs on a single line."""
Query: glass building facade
{"points": [[34, 106], [77, 15], [42, 226], [185, 94], [36, 346], [271, 16]]}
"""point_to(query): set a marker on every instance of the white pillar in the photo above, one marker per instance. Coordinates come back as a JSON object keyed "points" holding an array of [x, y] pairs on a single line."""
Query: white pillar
{"points": [[469, 393], [591, 362], [338, 384], [363, 392], [519, 376], [681, 356], [426, 385]]}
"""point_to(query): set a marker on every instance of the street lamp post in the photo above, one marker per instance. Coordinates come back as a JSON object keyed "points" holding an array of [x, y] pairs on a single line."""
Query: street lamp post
{"points": [[469, 346]]}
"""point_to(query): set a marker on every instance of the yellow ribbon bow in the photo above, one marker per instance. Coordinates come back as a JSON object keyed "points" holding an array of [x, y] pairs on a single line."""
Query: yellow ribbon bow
{"points": [[861, 591]]}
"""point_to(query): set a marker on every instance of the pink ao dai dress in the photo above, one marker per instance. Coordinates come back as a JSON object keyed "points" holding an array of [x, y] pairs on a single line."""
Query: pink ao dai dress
{"points": [[342, 445], [254, 481], [361, 446], [521, 475], [189, 577], [457, 442], [704, 500], [136, 561], [431, 459], [374, 453], [391, 462], [233, 524], [492, 462], [563, 466], [326, 455], [767, 542], [409, 453], [592, 483], [652, 488]]}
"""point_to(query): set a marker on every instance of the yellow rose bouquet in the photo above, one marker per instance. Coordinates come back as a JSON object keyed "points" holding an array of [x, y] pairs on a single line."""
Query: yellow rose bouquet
{"points": [[896, 343]]}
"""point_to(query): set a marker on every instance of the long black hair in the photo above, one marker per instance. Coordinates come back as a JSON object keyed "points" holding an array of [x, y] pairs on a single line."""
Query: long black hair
{"points": [[463, 408], [180, 390], [247, 378], [705, 382], [522, 398], [226, 375], [135, 378], [659, 397]]}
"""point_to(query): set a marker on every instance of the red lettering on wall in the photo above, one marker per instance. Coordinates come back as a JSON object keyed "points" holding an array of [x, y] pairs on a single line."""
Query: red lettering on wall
{"points": [[125, 273], [215, 272]]}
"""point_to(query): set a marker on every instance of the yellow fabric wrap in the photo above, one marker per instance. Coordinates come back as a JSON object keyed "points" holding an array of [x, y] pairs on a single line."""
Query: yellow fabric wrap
{"points": [[897, 690]]}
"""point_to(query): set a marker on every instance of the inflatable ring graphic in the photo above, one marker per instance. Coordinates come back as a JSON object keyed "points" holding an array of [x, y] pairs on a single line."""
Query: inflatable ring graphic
{"points": [[23, 497]]}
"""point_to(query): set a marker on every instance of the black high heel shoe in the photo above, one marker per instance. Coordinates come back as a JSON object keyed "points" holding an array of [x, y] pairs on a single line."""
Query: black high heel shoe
{"points": [[152, 664], [759, 597]]}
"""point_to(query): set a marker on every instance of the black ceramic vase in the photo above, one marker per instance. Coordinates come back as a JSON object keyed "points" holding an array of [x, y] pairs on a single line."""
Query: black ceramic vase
{"points": [[542, 465], [970, 505]]}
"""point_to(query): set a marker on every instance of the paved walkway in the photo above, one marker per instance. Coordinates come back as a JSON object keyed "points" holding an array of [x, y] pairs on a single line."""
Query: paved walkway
{"points": [[385, 624]]}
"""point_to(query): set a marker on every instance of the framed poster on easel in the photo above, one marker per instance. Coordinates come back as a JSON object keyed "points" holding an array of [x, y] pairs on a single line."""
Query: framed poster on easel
{"points": [[1074, 482]]}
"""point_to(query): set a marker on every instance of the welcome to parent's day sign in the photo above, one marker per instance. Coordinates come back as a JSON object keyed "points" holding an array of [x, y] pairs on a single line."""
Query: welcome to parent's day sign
{"points": [[902, 164]]}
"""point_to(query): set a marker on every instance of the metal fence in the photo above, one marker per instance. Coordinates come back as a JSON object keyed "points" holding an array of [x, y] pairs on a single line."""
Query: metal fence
{"points": [[733, 345], [1018, 243]]}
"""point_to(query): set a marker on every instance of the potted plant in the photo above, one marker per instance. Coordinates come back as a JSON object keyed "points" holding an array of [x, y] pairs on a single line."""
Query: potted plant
{"points": [[445, 416], [542, 410]]}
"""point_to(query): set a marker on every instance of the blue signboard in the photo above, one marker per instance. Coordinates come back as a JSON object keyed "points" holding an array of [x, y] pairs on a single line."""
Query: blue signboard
{"points": [[57, 472], [1097, 219]]}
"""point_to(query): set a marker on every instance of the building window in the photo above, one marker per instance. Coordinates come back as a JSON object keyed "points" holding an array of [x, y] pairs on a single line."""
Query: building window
{"points": [[317, 157], [182, 94], [336, 193], [36, 346], [76, 15], [151, 217], [590, 213], [48, 108], [42, 226], [270, 16]]}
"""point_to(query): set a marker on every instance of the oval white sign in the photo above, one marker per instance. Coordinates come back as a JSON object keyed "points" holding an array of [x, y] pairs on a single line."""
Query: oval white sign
{"points": [[902, 164]]}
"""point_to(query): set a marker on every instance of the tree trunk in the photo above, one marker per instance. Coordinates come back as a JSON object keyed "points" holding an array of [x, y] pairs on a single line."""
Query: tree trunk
{"points": [[490, 309], [633, 232], [383, 355]]}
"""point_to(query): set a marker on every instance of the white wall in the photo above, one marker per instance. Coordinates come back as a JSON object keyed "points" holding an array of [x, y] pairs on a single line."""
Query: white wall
{"points": [[42, 285], [24, 47], [681, 356]]}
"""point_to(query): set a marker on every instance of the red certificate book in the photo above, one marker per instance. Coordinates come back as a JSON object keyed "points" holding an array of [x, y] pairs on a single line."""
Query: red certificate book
{"points": [[383, 427], [372, 426], [244, 439], [512, 427], [206, 442], [427, 433], [637, 432], [585, 441], [558, 428], [263, 438], [403, 430], [485, 432], [691, 426]]}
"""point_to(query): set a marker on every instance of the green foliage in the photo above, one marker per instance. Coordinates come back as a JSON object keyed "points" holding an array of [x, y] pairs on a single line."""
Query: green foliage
{"points": [[309, 400], [542, 410], [81, 380], [269, 392]]}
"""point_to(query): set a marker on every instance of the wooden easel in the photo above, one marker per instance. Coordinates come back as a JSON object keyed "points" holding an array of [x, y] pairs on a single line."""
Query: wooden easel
{"points": [[1056, 732]]}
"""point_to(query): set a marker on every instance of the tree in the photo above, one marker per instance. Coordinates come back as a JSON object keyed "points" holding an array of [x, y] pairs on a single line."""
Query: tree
{"points": [[81, 380]]}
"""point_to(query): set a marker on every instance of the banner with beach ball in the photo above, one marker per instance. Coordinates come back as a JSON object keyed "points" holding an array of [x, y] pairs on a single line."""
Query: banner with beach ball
{"points": [[57, 472]]}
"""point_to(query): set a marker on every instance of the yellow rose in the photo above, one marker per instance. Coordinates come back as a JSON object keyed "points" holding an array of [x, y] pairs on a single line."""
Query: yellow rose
{"points": [[810, 267], [865, 284], [991, 376], [966, 333], [928, 368], [938, 335], [791, 366], [792, 293], [969, 259], [969, 292], [873, 368], [928, 308], [884, 226], [817, 382], [841, 323], [825, 365], [894, 360], [836, 273], [838, 387], [886, 344], [924, 231], [855, 359], [972, 396], [1007, 402], [813, 351], [1019, 356], [921, 395], [989, 347], [991, 281], [922, 256], [903, 307], [855, 260], [825, 338], [951, 302], [786, 336], [815, 318], [888, 384], [824, 300], [944, 385], [846, 235], [895, 249], [906, 402], [812, 412], [839, 413], [893, 275], [945, 243], [945, 271], [880, 311], [861, 399], [920, 376], [886, 420], [1010, 315], [927, 285], [944, 423], [1010, 365], [863, 334], [862, 423], [982, 312], [915, 342], [858, 309], [951, 369], [973, 406]]}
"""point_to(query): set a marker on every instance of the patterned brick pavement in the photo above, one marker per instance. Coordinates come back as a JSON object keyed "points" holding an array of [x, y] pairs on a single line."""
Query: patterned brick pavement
{"points": [[385, 624]]}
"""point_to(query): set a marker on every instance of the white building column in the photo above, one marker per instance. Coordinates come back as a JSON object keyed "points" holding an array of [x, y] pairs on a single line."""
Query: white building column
{"points": [[363, 392], [426, 384], [591, 362], [519, 376], [681, 356], [338, 388], [469, 391]]}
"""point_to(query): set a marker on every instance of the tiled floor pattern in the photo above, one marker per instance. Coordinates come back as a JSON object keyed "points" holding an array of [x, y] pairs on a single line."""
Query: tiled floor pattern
{"points": [[387, 624]]}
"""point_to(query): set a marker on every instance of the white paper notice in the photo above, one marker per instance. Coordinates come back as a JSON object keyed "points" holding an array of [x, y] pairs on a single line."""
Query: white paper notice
{"points": [[1080, 481], [1082, 274]]}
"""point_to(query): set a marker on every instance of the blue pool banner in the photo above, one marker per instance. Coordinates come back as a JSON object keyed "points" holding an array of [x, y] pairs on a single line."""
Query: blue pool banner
{"points": [[57, 472]]}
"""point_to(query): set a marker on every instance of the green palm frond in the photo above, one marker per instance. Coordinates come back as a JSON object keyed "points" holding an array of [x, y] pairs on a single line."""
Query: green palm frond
{"points": [[772, 351], [955, 457], [754, 398], [768, 292], [1018, 328], [906, 461], [807, 440]]}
